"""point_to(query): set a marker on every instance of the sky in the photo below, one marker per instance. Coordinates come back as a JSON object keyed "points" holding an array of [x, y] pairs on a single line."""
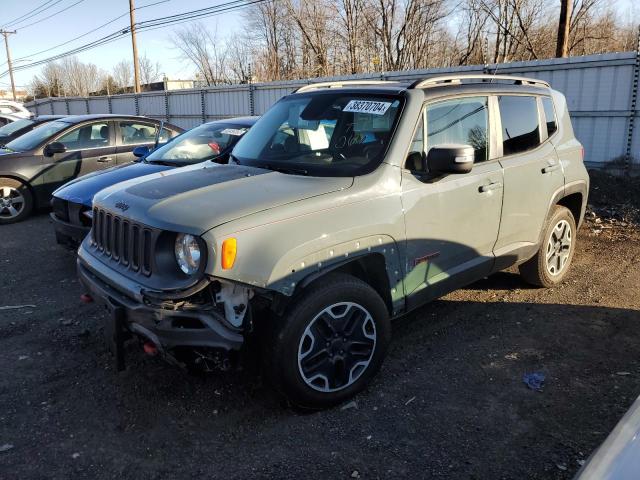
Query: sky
{"points": [[89, 14]]}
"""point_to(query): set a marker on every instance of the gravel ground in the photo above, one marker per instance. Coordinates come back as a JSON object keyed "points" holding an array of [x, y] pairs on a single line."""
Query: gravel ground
{"points": [[448, 403]]}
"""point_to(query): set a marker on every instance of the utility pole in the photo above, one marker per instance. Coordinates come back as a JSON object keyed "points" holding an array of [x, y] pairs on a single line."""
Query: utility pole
{"points": [[136, 67], [562, 47], [6, 44]]}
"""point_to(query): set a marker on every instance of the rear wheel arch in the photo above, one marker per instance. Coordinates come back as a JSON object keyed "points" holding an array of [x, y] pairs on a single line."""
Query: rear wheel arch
{"points": [[574, 202]]}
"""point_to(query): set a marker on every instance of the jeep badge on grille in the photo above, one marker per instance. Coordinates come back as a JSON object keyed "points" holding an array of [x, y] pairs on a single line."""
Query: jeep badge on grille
{"points": [[122, 206]]}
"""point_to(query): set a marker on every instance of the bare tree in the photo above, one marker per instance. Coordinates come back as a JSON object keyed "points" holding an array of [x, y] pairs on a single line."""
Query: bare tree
{"points": [[123, 74], [149, 70], [201, 47]]}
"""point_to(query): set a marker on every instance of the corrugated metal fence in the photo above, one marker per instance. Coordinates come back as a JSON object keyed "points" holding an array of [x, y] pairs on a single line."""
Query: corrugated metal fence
{"points": [[598, 90]]}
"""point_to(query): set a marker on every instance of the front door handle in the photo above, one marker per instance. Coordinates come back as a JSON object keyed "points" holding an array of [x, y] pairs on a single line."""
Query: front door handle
{"points": [[550, 168], [490, 186], [104, 159]]}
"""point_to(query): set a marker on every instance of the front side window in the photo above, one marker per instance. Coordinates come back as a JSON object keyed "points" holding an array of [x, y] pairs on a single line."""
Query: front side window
{"points": [[520, 129], [550, 115], [93, 135], [132, 133], [322, 134], [199, 144], [462, 121], [416, 159], [37, 136]]}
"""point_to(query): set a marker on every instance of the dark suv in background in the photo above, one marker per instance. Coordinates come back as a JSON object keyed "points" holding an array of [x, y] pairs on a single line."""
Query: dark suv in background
{"points": [[35, 164]]}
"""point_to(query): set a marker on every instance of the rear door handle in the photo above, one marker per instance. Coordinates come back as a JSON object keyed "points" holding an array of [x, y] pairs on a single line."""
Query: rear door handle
{"points": [[550, 168], [104, 159], [490, 186]]}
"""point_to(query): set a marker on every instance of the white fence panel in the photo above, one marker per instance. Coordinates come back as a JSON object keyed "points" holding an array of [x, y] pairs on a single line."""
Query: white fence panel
{"points": [[78, 106], [152, 105], [598, 89], [98, 104]]}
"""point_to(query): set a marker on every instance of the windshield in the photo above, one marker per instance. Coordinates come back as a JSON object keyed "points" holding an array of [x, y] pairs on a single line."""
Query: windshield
{"points": [[199, 144], [15, 126], [335, 134], [37, 136]]}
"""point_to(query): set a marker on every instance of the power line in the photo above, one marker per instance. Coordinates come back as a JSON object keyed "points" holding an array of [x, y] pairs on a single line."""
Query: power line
{"points": [[28, 14], [50, 16], [87, 33], [147, 26]]}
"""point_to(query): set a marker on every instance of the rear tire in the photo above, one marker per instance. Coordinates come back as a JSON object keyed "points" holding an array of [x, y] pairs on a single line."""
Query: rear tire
{"points": [[551, 263], [16, 201], [330, 344]]}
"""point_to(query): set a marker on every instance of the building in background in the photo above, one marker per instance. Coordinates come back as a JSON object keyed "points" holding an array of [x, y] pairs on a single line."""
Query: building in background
{"points": [[5, 94]]}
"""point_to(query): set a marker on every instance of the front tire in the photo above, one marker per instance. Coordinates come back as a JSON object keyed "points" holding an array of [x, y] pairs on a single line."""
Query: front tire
{"points": [[550, 265], [330, 343], [16, 201]]}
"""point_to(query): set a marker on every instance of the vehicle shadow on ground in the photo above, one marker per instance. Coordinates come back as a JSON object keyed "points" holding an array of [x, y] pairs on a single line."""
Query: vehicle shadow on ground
{"points": [[501, 281]]}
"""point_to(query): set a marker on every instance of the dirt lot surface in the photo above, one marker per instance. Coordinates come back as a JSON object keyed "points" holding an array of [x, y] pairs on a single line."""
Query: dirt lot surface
{"points": [[449, 402]]}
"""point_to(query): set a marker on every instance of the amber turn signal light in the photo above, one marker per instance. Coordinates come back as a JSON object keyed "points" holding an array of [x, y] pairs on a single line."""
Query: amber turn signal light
{"points": [[229, 250]]}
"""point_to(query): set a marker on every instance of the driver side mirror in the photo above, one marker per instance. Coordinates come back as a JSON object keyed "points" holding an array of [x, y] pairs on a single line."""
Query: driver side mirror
{"points": [[53, 148], [140, 151], [450, 159]]}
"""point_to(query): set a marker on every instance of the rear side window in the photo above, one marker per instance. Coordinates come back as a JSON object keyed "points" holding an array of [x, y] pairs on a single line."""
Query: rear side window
{"points": [[133, 133], [550, 115], [520, 129], [462, 121]]}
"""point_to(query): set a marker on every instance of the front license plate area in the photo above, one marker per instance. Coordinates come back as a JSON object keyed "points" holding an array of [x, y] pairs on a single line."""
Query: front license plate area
{"points": [[115, 334]]}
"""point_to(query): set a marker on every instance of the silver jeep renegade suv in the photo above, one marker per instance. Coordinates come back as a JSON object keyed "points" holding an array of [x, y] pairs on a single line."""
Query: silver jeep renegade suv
{"points": [[346, 205]]}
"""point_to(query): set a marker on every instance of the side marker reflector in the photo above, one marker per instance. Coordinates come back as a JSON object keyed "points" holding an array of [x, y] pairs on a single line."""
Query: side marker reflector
{"points": [[229, 251]]}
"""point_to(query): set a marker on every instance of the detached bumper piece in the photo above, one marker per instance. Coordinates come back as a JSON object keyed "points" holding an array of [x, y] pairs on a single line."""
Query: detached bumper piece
{"points": [[69, 221], [68, 232], [166, 329]]}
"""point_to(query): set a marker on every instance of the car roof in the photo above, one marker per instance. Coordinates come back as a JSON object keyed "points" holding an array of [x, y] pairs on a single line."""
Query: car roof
{"points": [[46, 118], [10, 116], [444, 83], [105, 116], [245, 121]]}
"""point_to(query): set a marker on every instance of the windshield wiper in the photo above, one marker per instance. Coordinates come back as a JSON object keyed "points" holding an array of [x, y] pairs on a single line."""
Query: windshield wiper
{"points": [[165, 162], [288, 170]]}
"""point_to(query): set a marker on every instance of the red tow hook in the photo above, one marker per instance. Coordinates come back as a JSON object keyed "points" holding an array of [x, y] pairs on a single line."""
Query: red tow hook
{"points": [[86, 298], [150, 349]]}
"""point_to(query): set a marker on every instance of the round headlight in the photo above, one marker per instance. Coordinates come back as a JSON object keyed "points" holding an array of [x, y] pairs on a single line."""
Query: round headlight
{"points": [[187, 253]]}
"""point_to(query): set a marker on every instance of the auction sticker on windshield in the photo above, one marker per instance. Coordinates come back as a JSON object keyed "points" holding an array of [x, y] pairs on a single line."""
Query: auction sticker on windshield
{"points": [[367, 106], [233, 131]]}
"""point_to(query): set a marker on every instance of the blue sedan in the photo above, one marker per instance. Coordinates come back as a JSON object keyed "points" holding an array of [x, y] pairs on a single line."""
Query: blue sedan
{"points": [[212, 141]]}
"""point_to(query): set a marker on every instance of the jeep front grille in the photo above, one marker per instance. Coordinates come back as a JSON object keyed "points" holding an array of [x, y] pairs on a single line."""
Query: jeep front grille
{"points": [[128, 243]]}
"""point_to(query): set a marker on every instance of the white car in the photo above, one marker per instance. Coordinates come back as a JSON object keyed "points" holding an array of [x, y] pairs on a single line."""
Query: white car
{"points": [[14, 108]]}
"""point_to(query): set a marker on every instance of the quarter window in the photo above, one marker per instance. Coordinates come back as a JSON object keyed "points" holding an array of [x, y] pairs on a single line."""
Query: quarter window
{"points": [[461, 121], [520, 129], [550, 115], [88, 136]]}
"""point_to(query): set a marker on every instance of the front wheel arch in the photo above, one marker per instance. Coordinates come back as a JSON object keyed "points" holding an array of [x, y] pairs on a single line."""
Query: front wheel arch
{"points": [[370, 268]]}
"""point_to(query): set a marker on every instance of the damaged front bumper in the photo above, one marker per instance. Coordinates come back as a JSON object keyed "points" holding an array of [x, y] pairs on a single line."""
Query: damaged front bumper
{"points": [[166, 329]]}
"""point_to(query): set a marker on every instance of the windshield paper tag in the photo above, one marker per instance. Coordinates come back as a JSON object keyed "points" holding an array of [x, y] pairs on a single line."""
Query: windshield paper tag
{"points": [[233, 131], [367, 106]]}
